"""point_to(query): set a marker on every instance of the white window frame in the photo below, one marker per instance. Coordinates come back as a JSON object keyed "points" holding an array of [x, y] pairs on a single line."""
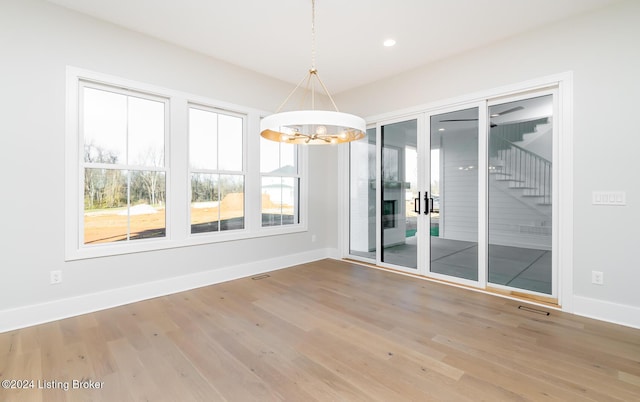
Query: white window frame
{"points": [[243, 172], [122, 166], [296, 176], [178, 224]]}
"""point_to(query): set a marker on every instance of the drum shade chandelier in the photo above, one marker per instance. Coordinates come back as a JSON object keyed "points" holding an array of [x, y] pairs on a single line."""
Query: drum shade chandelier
{"points": [[312, 126]]}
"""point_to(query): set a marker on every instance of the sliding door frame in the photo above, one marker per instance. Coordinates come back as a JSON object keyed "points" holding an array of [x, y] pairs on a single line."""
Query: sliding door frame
{"points": [[562, 187], [420, 127], [481, 196], [553, 91]]}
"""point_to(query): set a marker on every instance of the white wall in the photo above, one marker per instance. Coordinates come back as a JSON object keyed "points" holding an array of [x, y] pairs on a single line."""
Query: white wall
{"points": [[37, 41], [459, 188], [601, 48]]}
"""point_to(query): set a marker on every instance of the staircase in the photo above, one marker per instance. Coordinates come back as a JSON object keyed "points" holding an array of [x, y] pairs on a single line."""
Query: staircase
{"points": [[523, 179]]}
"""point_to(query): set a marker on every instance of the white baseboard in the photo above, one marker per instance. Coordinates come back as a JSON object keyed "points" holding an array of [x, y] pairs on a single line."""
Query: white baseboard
{"points": [[607, 311], [26, 316], [58, 309]]}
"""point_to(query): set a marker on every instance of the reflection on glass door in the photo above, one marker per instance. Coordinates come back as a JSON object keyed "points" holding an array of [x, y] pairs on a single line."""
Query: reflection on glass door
{"points": [[399, 176], [453, 193], [362, 195], [520, 199]]}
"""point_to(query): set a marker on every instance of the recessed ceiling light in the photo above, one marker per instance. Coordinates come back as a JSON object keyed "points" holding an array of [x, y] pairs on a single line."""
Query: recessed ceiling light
{"points": [[441, 129], [389, 42]]}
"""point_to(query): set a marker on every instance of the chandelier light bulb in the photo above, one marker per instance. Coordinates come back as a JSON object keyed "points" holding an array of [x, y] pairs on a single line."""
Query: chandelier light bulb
{"points": [[321, 130]]}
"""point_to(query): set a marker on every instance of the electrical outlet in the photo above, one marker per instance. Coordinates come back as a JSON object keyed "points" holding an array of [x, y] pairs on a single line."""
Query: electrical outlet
{"points": [[313, 238], [55, 276], [597, 277]]}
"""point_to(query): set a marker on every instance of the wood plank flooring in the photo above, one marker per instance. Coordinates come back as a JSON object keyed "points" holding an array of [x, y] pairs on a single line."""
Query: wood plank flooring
{"points": [[324, 331]]}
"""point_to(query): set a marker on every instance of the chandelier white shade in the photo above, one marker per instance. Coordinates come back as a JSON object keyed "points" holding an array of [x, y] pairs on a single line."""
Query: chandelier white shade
{"points": [[312, 126]]}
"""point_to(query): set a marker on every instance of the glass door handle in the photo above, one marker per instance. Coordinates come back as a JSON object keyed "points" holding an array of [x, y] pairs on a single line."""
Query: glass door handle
{"points": [[426, 202], [416, 204]]}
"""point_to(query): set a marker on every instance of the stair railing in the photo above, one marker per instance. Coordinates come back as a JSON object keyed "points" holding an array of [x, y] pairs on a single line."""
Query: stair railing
{"points": [[523, 168]]}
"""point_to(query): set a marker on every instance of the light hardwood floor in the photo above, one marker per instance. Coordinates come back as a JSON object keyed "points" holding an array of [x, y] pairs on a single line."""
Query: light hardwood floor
{"points": [[328, 330]]}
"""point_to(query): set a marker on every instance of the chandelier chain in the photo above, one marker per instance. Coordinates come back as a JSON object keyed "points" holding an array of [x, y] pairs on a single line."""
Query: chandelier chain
{"points": [[313, 34], [312, 126]]}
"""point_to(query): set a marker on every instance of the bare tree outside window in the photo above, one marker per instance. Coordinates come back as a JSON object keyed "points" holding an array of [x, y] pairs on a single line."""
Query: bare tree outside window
{"points": [[124, 174], [217, 170]]}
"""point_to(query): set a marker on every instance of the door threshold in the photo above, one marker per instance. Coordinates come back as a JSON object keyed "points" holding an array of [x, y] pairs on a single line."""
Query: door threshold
{"points": [[546, 300], [543, 301]]}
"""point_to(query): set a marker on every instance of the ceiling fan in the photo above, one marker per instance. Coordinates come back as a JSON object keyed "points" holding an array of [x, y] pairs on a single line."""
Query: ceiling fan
{"points": [[513, 109]]}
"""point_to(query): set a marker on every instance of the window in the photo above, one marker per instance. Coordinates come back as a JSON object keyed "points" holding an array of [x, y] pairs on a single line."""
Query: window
{"points": [[150, 168], [217, 170], [280, 181], [124, 174]]}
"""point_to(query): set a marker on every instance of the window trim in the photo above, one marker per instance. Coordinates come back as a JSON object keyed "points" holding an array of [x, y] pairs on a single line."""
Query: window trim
{"points": [[128, 167], [243, 172], [297, 176], [177, 218]]}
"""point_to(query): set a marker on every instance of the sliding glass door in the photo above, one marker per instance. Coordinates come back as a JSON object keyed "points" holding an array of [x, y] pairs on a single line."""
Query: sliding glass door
{"points": [[463, 194], [362, 197], [453, 189], [520, 186], [399, 191]]}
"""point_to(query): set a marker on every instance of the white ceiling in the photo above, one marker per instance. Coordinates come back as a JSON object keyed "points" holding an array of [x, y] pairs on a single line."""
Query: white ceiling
{"points": [[274, 36]]}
